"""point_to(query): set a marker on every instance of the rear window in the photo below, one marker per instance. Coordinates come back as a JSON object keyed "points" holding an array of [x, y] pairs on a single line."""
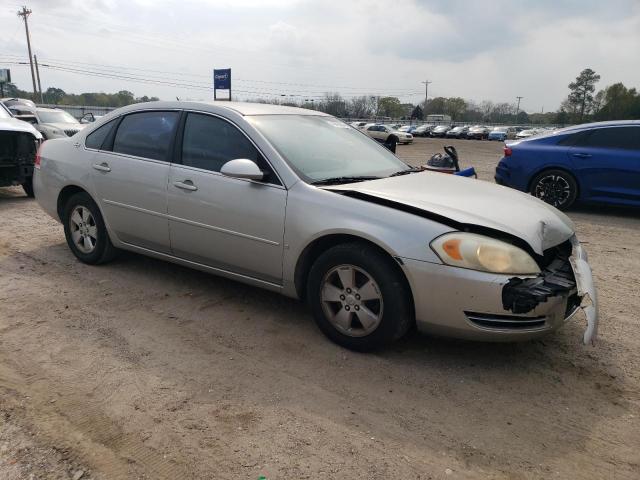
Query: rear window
{"points": [[146, 134], [96, 138]]}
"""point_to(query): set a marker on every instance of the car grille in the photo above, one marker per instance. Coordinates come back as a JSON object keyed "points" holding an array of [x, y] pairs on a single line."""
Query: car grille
{"points": [[505, 322], [71, 133]]}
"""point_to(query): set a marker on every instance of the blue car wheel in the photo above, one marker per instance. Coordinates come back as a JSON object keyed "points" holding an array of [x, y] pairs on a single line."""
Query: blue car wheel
{"points": [[556, 187]]}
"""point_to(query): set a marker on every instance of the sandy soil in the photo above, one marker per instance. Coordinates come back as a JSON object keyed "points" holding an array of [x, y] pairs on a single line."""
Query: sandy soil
{"points": [[143, 369]]}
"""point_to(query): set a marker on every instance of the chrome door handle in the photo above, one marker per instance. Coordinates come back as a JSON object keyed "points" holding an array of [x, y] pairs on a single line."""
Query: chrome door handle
{"points": [[582, 155], [186, 185], [103, 167]]}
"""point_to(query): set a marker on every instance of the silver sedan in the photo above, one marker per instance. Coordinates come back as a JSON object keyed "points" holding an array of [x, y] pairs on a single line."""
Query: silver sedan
{"points": [[300, 203]]}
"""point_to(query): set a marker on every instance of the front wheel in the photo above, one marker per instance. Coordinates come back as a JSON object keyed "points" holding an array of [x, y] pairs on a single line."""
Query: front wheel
{"points": [[556, 187], [359, 297]]}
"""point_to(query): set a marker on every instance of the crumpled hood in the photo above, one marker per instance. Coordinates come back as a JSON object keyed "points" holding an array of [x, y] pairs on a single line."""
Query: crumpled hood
{"points": [[473, 202], [15, 125]]}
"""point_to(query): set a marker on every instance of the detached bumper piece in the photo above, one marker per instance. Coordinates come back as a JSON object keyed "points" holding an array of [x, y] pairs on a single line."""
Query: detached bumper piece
{"points": [[522, 295]]}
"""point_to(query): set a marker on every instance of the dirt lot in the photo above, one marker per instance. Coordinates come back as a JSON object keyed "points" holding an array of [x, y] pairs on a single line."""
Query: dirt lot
{"points": [[143, 369]]}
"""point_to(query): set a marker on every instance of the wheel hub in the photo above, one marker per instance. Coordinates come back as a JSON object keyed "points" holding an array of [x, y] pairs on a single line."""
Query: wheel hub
{"points": [[351, 300]]}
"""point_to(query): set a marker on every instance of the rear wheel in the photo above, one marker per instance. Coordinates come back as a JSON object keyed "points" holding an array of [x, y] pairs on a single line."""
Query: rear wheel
{"points": [[359, 297], [85, 230], [556, 187]]}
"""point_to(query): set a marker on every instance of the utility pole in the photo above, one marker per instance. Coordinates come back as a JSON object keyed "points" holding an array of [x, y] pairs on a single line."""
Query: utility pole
{"points": [[24, 13], [35, 60], [518, 107], [426, 97]]}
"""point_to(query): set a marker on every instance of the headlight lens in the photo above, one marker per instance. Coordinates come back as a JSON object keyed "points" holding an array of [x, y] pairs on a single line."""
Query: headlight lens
{"points": [[477, 252]]}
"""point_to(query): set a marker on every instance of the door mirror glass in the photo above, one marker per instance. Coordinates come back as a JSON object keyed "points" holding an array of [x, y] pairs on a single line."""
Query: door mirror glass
{"points": [[242, 168]]}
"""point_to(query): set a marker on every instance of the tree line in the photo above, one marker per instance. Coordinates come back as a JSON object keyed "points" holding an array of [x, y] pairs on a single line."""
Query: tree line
{"points": [[57, 96], [583, 104]]}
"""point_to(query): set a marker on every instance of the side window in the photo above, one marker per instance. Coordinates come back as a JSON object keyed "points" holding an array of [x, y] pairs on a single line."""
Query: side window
{"points": [[146, 134], [575, 139], [615, 137], [96, 138], [209, 142], [372, 128]]}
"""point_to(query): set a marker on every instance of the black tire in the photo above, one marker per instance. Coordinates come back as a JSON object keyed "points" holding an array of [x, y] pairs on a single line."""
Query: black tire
{"points": [[556, 187], [27, 186], [103, 251], [395, 308]]}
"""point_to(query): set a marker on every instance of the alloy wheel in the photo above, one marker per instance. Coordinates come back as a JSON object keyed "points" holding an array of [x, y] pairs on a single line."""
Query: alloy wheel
{"points": [[84, 231], [351, 300], [553, 189]]}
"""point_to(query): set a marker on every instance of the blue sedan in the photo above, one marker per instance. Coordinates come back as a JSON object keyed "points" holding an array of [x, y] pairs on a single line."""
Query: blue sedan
{"points": [[594, 163]]}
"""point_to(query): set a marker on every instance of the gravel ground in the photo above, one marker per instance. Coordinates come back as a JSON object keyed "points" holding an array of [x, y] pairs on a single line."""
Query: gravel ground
{"points": [[144, 369]]}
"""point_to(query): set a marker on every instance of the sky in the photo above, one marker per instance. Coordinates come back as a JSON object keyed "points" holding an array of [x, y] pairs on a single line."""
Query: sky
{"points": [[479, 50]]}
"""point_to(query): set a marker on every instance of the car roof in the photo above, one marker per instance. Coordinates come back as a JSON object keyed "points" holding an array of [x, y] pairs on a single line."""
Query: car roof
{"points": [[610, 123], [242, 108]]}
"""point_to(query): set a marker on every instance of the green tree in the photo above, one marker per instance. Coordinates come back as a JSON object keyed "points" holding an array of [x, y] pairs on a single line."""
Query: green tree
{"points": [[417, 113], [618, 103], [581, 96], [390, 107], [54, 95], [455, 107]]}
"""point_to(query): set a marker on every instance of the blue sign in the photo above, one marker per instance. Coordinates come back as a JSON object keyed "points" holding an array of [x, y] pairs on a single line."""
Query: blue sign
{"points": [[222, 79]]}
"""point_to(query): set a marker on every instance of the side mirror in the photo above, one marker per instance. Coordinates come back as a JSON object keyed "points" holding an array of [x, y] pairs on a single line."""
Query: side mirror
{"points": [[242, 168]]}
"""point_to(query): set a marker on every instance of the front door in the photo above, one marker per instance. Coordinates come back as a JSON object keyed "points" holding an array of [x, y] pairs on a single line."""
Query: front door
{"points": [[608, 162], [227, 223]]}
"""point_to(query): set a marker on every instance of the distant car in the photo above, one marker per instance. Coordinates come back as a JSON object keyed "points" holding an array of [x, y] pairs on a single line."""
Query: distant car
{"points": [[358, 125], [18, 102], [383, 133], [478, 132], [595, 163], [51, 122], [457, 132], [422, 131], [440, 130], [18, 145], [530, 132], [502, 133]]}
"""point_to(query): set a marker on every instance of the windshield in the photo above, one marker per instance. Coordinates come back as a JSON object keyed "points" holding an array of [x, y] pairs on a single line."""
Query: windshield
{"points": [[319, 147], [499, 129], [58, 116], [4, 113]]}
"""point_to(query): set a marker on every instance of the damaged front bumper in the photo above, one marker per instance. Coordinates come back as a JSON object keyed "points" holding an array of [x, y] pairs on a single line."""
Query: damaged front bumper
{"points": [[483, 306]]}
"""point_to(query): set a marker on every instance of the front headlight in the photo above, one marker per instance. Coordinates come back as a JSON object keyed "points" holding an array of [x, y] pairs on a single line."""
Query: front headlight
{"points": [[477, 252]]}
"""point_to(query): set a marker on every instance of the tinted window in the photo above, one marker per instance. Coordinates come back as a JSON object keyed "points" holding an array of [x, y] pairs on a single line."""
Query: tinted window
{"points": [[210, 142], [146, 134], [96, 138], [616, 137]]}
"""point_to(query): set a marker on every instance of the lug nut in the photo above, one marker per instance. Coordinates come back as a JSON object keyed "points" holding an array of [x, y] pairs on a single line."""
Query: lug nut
{"points": [[346, 307], [342, 297], [357, 297], [357, 307], [348, 290]]}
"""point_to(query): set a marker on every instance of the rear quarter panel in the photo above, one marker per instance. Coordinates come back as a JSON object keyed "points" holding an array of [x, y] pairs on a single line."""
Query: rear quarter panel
{"points": [[61, 164]]}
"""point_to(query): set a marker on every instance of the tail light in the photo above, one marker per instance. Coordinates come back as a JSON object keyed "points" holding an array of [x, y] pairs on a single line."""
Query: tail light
{"points": [[36, 163], [507, 151]]}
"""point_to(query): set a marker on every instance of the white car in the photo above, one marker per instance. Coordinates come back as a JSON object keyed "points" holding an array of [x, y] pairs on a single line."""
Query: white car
{"points": [[528, 133], [384, 133]]}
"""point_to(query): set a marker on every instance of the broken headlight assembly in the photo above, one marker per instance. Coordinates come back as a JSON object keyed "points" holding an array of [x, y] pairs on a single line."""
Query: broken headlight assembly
{"points": [[477, 252]]}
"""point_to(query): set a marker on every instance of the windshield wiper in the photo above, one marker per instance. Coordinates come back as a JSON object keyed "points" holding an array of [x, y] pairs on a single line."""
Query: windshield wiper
{"points": [[407, 172], [335, 180]]}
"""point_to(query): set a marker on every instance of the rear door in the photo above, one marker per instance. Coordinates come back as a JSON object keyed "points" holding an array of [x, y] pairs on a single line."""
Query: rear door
{"points": [[228, 223], [607, 163], [130, 174]]}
